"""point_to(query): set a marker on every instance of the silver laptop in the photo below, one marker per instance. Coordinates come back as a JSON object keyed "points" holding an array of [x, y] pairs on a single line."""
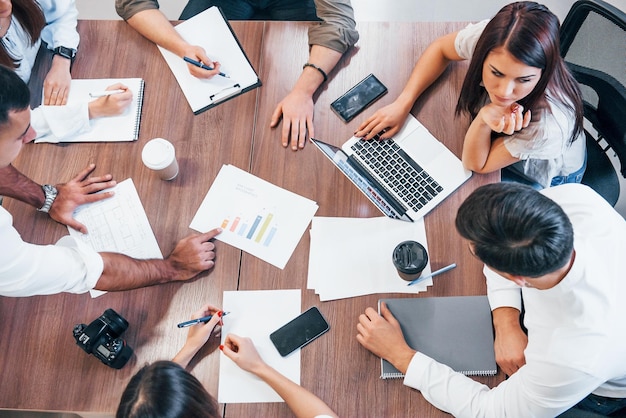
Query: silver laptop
{"points": [[405, 176]]}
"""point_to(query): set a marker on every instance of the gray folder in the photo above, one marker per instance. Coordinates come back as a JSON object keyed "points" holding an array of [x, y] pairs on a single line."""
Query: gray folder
{"points": [[456, 331]]}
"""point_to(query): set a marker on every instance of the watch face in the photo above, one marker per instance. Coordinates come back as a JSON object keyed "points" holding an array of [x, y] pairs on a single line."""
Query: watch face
{"points": [[63, 51]]}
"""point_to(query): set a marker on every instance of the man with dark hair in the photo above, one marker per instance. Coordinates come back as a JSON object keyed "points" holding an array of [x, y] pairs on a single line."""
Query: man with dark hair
{"points": [[562, 252], [69, 266]]}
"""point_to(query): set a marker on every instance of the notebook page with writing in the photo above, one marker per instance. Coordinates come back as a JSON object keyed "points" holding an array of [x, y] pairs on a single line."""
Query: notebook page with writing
{"points": [[456, 331], [121, 128], [211, 31]]}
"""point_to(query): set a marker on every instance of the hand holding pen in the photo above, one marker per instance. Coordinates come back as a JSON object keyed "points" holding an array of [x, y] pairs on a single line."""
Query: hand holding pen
{"points": [[111, 102], [199, 333], [197, 54]]}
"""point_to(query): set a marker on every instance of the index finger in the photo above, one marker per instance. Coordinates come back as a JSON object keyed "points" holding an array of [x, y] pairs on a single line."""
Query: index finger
{"points": [[207, 236]]}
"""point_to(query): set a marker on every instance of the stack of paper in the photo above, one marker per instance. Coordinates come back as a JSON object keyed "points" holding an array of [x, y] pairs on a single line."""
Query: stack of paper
{"points": [[352, 256], [257, 217]]}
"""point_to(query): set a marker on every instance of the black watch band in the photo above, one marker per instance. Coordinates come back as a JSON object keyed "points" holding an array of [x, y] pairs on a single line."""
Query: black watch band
{"points": [[65, 52]]}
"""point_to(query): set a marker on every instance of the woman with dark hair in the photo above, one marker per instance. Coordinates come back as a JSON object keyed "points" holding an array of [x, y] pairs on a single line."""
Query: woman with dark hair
{"points": [[525, 106], [24, 24], [166, 389]]}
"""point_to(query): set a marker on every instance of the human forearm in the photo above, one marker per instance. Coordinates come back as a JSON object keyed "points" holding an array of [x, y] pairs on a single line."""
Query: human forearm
{"points": [[311, 78], [123, 273], [16, 185], [301, 402], [153, 25], [431, 64]]}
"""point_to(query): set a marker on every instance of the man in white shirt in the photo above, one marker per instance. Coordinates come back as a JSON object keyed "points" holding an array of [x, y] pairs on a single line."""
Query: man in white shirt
{"points": [[561, 251], [28, 269]]}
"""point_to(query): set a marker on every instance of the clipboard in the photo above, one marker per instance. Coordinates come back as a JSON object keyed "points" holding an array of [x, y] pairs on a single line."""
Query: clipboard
{"points": [[211, 31]]}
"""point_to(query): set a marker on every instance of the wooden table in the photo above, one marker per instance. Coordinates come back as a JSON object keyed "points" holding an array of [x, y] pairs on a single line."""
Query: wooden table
{"points": [[42, 368]]}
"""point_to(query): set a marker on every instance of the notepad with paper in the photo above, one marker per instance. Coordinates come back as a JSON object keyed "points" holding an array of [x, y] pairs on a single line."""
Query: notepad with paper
{"points": [[121, 128], [211, 31], [454, 330]]}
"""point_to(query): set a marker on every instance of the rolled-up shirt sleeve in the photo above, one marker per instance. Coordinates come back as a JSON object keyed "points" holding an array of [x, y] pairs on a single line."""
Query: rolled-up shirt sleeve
{"points": [[28, 269], [57, 122], [61, 20], [337, 30], [128, 8], [502, 292]]}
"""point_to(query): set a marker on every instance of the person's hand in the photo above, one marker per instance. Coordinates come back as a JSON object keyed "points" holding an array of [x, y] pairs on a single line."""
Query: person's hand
{"points": [[111, 105], [386, 121], [507, 120], [241, 350], [200, 333], [80, 190], [509, 348], [296, 110], [382, 336], [56, 85], [192, 255], [197, 53]]}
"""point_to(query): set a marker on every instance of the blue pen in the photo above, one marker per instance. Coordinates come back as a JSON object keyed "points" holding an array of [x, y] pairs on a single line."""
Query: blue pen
{"points": [[204, 319], [428, 276], [201, 65]]}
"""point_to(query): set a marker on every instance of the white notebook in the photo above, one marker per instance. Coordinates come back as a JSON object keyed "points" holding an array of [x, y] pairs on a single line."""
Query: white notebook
{"points": [[211, 31], [124, 127]]}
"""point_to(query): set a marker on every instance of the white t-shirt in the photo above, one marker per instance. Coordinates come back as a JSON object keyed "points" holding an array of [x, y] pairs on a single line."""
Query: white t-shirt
{"points": [[576, 331], [28, 269], [543, 146]]}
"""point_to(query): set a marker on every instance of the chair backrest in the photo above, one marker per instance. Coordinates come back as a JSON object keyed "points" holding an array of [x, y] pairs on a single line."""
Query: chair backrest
{"points": [[593, 44]]}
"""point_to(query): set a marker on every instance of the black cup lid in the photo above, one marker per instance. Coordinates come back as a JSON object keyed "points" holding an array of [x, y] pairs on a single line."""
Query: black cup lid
{"points": [[410, 257]]}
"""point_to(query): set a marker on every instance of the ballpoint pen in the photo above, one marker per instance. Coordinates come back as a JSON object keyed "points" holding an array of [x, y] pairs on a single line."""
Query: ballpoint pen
{"points": [[201, 65], [434, 273], [204, 319], [105, 93]]}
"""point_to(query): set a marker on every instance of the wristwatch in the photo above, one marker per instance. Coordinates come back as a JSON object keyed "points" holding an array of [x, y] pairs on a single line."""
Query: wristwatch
{"points": [[50, 192], [65, 52]]}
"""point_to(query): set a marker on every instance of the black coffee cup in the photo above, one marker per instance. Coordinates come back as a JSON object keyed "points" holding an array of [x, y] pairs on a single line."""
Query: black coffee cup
{"points": [[410, 259]]}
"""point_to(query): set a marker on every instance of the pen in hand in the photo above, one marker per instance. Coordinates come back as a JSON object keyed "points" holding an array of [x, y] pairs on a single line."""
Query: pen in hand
{"points": [[204, 319], [105, 93], [434, 273], [201, 65]]}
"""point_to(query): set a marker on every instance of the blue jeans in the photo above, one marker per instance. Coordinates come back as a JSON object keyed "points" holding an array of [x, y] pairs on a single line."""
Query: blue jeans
{"points": [[575, 177], [255, 9], [601, 405]]}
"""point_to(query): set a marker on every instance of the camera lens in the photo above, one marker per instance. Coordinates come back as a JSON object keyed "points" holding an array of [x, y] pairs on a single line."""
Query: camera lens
{"points": [[116, 323]]}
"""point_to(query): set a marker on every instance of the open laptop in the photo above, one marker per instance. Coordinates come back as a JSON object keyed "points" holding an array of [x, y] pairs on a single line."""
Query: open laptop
{"points": [[406, 176]]}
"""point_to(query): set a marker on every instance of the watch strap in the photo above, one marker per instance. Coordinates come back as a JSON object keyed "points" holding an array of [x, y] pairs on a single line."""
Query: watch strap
{"points": [[50, 193]]}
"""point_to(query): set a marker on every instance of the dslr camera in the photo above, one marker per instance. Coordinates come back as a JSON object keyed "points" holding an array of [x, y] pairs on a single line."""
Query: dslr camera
{"points": [[102, 339]]}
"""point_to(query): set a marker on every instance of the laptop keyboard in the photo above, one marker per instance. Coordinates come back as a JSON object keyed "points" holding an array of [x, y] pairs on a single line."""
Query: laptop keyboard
{"points": [[399, 172]]}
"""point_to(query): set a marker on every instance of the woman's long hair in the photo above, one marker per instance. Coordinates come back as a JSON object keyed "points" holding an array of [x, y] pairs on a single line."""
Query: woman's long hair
{"points": [[31, 17], [164, 389], [530, 32]]}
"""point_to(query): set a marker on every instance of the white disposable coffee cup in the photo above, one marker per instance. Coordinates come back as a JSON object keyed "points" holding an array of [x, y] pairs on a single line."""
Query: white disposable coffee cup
{"points": [[159, 155]]}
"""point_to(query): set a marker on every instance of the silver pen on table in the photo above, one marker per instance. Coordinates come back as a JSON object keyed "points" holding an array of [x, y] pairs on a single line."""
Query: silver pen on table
{"points": [[433, 274]]}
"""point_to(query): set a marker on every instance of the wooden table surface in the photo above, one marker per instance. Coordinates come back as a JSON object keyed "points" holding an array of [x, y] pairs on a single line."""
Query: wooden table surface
{"points": [[42, 368]]}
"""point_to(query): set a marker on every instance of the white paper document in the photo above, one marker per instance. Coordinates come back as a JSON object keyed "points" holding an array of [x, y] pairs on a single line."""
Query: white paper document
{"points": [[256, 314], [210, 30], [256, 216], [352, 256], [118, 224]]}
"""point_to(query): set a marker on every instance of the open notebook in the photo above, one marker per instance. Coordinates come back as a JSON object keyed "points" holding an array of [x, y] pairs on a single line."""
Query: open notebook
{"points": [[454, 330], [124, 127], [211, 31]]}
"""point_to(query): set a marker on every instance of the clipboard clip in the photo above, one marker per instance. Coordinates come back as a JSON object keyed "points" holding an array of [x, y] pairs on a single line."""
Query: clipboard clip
{"points": [[225, 94]]}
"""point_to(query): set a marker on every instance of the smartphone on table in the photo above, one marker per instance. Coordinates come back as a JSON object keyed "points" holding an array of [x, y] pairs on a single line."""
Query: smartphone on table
{"points": [[299, 331], [358, 98]]}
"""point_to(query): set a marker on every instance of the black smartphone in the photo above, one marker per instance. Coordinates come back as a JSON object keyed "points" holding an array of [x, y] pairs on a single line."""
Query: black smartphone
{"points": [[358, 98], [299, 331]]}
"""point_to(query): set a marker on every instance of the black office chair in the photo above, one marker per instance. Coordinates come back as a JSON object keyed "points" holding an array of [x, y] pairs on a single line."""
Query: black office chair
{"points": [[593, 44]]}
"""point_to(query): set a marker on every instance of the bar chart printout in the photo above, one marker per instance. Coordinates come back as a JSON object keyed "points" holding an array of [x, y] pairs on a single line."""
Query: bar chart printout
{"points": [[256, 216]]}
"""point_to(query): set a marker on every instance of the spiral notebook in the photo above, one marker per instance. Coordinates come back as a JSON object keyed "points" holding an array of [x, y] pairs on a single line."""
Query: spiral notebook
{"points": [[211, 31], [124, 127], [456, 331]]}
